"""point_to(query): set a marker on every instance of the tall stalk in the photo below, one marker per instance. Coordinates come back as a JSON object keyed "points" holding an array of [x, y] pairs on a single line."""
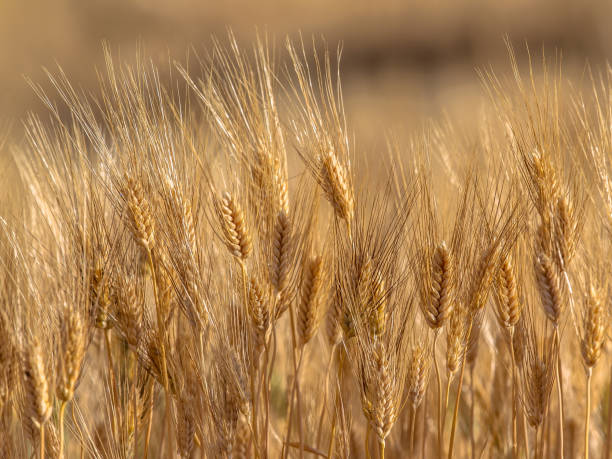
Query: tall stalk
{"points": [[439, 380], [587, 416]]}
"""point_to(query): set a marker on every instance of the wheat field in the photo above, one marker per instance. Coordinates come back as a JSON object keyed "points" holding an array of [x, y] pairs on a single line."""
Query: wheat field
{"points": [[210, 265]]}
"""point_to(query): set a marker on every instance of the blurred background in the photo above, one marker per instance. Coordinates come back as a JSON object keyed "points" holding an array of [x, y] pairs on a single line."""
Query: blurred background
{"points": [[403, 61]]}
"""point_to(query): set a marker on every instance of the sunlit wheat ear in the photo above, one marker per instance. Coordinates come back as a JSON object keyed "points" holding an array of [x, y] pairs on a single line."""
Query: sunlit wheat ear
{"points": [[455, 337], [507, 296], [418, 374], [378, 394], [594, 327], [567, 229], [549, 286], [309, 312], [74, 345], [130, 307], [372, 297], [235, 232], [281, 252], [139, 211], [538, 375], [437, 305], [38, 406], [259, 311], [100, 294], [335, 183]]}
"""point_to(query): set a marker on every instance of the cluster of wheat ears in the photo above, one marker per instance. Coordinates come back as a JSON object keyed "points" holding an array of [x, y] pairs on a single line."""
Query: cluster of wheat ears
{"points": [[205, 267]]}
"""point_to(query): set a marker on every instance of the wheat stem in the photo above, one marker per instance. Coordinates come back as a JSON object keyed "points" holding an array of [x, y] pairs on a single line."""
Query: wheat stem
{"points": [[149, 420], [325, 393], [458, 398], [439, 380], [412, 427], [609, 421], [42, 440], [61, 427], [589, 372], [161, 323], [559, 392], [514, 397]]}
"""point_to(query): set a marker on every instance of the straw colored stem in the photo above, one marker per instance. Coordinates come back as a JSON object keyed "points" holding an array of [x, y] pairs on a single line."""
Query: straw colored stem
{"points": [[62, 412], [560, 393], [458, 398], [439, 380], [514, 398], [587, 413], [42, 440], [149, 420], [412, 428], [161, 323], [609, 421]]}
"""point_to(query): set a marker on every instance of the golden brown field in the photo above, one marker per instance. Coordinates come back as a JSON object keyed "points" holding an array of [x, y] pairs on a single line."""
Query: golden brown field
{"points": [[256, 244]]}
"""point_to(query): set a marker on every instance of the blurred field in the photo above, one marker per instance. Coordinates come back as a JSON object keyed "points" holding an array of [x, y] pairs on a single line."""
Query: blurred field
{"points": [[403, 62]]}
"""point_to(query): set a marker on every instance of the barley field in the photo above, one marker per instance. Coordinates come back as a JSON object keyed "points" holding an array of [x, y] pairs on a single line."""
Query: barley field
{"points": [[255, 248]]}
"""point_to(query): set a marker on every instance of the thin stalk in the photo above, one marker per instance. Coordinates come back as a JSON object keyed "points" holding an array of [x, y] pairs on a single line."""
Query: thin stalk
{"points": [[514, 400], [294, 386], [609, 421], [446, 396], [266, 396], [330, 449], [61, 427], [381, 449], [458, 398], [525, 435], [42, 441], [472, 438], [425, 429], [254, 396], [149, 420], [135, 408], [295, 379], [536, 443], [560, 392], [325, 394], [412, 426], [111, 374], [367, 442], [588, 413], [79, 429], [435, 359], [161, 323]]}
